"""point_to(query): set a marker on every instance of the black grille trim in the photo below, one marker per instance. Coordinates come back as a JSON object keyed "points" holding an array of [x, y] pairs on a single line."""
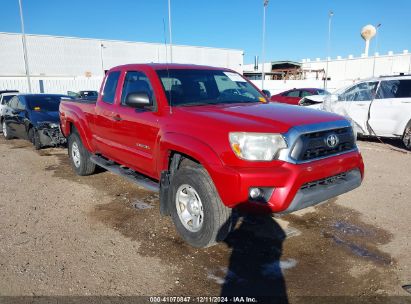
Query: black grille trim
{"points": [[313, 145], [325, 181]]}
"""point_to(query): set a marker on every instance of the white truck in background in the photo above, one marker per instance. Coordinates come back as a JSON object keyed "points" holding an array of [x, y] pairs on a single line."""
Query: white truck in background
{"points": [[377, 107]]}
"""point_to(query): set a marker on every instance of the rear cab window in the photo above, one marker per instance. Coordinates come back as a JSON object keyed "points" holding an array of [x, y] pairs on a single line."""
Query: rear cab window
{"points": [[110, 86]]}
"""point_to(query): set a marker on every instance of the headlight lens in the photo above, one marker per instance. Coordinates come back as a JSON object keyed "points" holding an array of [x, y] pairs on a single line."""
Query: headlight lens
{"points": [[54, 125], [257, 146]]}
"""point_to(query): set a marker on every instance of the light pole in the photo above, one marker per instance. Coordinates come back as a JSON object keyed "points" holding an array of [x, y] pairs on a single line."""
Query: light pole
{"points": [[102, 58], [23, 37], [263, 50], [376, 48], [169, 30], [330, 15]]}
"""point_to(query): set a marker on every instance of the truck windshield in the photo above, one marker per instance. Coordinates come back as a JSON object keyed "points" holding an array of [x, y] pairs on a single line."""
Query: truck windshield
{"points": [[201, 87], [46, 103]]}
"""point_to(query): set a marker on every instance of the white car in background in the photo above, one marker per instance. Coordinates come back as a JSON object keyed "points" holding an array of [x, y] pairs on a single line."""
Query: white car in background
{"points": [[5, 96], [377, 107]]}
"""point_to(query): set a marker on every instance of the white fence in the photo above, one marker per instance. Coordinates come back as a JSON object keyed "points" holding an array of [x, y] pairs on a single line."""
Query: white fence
{"points": [[278, 86], [62, 85], [51, 85]]}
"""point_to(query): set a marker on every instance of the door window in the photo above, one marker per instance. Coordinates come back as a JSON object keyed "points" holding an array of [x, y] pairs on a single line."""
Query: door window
{"points": [[306, 93], [395, 89], [21, 104], [13, 103], [361, 92], [136, 82], [110, 87], [295, 93]]}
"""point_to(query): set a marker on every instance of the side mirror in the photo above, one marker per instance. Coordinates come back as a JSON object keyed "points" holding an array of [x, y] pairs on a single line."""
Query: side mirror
{"points": [[266, 93], [138, 100]]}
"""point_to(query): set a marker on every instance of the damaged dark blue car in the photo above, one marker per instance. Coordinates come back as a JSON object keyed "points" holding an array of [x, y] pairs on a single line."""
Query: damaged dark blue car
{"points": [[34, 117]]}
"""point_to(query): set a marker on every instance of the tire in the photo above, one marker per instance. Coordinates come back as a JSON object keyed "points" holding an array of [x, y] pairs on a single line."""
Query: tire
{"points": [[6, 131], [34, 137], [215, 218], [79, 156], [406, 138]]}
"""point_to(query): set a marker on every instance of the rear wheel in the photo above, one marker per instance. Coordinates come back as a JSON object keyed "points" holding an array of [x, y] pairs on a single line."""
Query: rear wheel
{"points": [[6, 131], [79, 156], [197, 211], [406, 138]]}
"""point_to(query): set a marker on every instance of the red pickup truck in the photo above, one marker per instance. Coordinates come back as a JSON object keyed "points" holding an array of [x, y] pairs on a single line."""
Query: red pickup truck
{"points": [[208, 140]]}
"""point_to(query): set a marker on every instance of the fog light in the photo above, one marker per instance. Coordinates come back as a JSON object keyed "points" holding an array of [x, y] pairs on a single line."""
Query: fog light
{"points": [[255, 193]]}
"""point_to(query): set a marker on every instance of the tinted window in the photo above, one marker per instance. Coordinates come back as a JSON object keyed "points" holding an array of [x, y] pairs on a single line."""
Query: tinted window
{"points": [[110, 87], [306, 93], [185, 87], [43, 103], [13, 103], [89, 93], [21, 104], [294, 93], [136, 82], [395, 89], [6, 99], [322, 92], [364, 91]]}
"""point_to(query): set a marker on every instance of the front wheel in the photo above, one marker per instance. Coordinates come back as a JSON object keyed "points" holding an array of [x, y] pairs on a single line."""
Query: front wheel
{"points": [[34, 137], [79, 156], [197, 211], [406, 138]]}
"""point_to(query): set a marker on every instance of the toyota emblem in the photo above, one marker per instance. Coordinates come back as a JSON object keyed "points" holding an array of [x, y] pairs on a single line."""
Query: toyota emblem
{"points": [[332, 140]]}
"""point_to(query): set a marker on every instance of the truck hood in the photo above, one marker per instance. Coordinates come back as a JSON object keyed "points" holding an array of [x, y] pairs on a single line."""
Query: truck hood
{"points": [[257, 117]]}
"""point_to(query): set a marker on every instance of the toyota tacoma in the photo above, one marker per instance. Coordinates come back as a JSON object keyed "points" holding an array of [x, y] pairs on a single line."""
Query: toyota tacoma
{"points": [[209, 141]]}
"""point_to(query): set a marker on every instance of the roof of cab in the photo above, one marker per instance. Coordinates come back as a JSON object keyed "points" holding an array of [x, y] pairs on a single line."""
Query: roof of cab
{"points": [[165, 66]]}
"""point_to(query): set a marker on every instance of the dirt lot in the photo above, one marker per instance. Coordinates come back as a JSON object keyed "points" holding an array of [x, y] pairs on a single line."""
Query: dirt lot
{"points": [[62, 234]]}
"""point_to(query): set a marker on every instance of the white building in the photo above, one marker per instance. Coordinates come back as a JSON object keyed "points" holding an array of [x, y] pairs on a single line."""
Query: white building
{"points": [[58, 64], [341, 71], [346, 69]]}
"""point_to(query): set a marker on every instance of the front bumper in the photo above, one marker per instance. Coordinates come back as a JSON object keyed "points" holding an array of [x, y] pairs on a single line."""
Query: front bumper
{"points": [[290, 182], [50, 136]]}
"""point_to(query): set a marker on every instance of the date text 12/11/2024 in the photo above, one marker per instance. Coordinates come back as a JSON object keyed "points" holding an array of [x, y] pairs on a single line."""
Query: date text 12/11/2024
{"points": [[203, 300]]}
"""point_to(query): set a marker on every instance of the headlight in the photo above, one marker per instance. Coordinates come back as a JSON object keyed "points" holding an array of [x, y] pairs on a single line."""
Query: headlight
{"points": [[54, 125], [256, 146], [354, 129]]}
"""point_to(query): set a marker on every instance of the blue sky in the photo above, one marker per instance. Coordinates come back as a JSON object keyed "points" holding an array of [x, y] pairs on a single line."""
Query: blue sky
{"points": [[295, 29]]}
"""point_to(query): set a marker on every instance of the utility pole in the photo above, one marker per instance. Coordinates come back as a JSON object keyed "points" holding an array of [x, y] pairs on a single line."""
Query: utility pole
{"points": [[23, 37], [169, 29], [330, 15], [102, 47], [376, 48], [263, 48]]}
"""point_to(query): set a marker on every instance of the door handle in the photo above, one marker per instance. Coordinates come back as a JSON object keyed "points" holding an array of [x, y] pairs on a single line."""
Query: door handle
{"points": [[117, 118]]}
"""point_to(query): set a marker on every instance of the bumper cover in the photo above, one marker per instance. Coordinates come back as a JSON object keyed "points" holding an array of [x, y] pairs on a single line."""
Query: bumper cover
{"points": [[50, 136], [325, 189], [289, 182]]}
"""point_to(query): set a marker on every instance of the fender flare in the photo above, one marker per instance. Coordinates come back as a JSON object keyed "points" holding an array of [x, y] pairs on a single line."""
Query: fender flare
{"points": [[79, 125], [185, 145]]}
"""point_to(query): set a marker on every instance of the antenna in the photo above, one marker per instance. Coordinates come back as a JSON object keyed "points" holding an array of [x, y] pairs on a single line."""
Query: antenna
{"points": [[168, 71]]}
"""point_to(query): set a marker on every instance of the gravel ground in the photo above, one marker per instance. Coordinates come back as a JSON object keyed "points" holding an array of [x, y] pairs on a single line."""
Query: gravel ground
{"points": [[62, 234]]}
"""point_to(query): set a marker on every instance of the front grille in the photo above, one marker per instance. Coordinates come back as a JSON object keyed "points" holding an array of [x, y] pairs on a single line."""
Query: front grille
{"points": [[314, 145], [325, 181]]}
